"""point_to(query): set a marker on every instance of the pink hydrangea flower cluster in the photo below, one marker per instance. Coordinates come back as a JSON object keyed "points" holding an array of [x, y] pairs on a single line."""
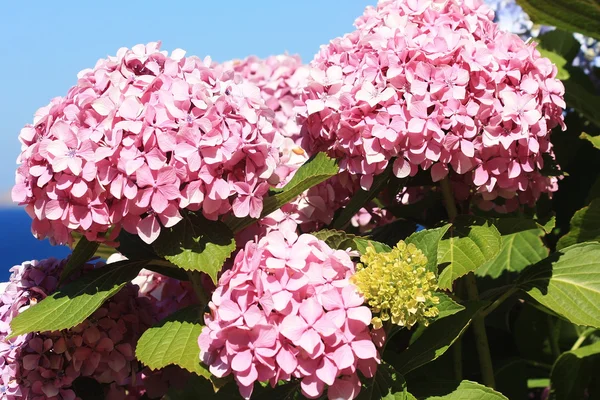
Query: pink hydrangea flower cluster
{"points": [[44, 365], [286, 310], [141, 136], [281, 80], [434, 84]]}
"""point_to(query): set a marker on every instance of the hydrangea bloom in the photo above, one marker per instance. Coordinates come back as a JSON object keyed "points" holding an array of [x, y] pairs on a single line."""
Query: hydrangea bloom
{"points": [[44, 365], [287, 310], [511, 18], [435, 85], [280, 79], [141, 136], [397, 285]]}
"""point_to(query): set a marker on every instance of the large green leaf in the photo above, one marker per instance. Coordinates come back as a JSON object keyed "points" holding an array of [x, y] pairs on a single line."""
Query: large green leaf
{"points": [[594, 140], [341, 240], [582, 16], [428, 241], [568, 283], [197, 244], [134, 248], [522, 246], [76, 301], [434, 341], [387, 384], [579, 96], [472, 242], [573, 371], [174, 342], [447, 306], [317, 169], [468, 390], [83, 251], [103, 250], [560, 42], [585, 226]]}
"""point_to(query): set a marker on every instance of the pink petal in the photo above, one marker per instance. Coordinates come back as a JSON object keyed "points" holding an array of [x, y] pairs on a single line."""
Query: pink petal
{"points": [[287, 360], [148, 229], [311, 310], [343, 356], [364, 349], [292, 327], [361, 314], [241, 361], [327, 371], [229, 311]]}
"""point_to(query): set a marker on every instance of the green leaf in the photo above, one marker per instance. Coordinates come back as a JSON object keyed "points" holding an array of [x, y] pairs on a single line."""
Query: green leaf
{"points": [[174, 342], [585, 226], [341, 240], [362, 244], [360, 198], [579, 96], [317, 169], [472, 242], [387, 384], [573, 371], [522, 246], [428, 241], [468, 390], [568, 283], [539, 383], [335, 239], [103, 250], [434, 341], [197, 244], [134, 248], [560, 42], [594, 140], [76, 301], [447, 306], [582, 16], [83, 251]]}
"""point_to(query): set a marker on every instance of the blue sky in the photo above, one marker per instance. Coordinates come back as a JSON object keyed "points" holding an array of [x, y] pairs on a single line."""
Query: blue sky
{"points": [[46, 45]]}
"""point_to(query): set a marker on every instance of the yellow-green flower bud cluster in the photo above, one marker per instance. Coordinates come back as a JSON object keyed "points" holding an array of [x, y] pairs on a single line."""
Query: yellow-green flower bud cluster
{"points": [[397, 286]]}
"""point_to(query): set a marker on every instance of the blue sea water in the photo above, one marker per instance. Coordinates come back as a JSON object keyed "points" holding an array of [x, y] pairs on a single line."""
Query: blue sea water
{"points": [[17, 244]]}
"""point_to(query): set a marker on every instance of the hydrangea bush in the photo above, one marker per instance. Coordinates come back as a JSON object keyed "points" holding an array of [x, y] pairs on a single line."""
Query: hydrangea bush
{"points": [[407, 216]]}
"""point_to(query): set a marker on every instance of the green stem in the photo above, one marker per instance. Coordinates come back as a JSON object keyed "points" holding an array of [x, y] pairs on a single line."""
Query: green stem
{"points": [[554, 330], [457, 347], [488, 310], [457, 357], [582, 338], [481, 340], [449, 199], [196, 281], [538, 364]]}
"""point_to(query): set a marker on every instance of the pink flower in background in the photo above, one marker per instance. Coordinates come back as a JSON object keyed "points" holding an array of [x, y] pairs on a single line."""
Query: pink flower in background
{"points": [[456, 97], [286, 310], [280, 80], [45, 365], [141, 136]]}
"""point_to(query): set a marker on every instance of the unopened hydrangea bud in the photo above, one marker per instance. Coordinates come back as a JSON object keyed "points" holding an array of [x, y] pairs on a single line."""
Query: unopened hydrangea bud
{"points": [[397, 286]]}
